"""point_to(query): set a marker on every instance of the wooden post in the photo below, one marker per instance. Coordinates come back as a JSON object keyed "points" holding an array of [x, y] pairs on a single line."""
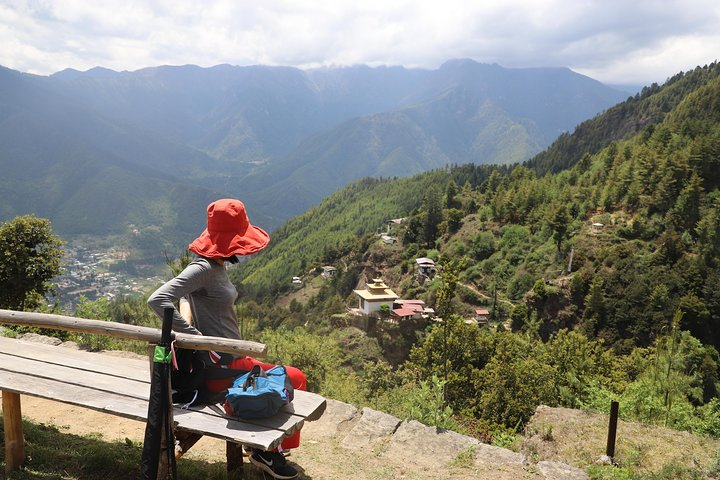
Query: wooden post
{"points": [[612, 429], [233, 452], [14, 441], [163, 466], [185, 441]]}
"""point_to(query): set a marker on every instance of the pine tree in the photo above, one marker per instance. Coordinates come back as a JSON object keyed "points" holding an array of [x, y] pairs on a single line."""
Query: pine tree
{"points": [[433, 216], [686, 212], [451, 193], [559, 221]]}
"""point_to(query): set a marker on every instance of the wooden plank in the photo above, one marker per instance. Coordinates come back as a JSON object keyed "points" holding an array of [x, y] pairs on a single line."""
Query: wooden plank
{"points": [[124, 406], [100, 382], [219, 344], [133, 332], [131, 368], [119, 387], [229, 430], [14, 441], [306, 404], [90, 380], [284, 421]]}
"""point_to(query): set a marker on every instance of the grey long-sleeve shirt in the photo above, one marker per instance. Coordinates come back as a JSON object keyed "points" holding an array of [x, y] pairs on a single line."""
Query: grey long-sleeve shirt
{"points": [[206, 286]]}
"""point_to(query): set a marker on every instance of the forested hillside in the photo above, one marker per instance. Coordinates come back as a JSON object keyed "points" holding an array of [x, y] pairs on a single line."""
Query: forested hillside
{"points": [[654, 194], [620, 122], [601, 279]]}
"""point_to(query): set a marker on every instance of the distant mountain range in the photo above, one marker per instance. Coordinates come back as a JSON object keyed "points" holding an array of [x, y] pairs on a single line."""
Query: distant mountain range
{"points": [[100, 150]]}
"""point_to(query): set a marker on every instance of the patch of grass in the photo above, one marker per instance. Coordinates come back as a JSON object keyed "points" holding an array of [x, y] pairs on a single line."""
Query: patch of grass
{"points": [[506, 437], [97, 343], [545, 431], [669, 471], [465, 458], [53, 455], [8, 332], [608, 472]]}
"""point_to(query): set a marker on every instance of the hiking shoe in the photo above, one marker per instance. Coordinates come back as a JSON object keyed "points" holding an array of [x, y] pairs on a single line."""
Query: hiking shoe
{"points": [[273, 463]]}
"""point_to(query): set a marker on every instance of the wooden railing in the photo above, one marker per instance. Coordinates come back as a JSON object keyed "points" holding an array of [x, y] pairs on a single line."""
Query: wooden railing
{"points": [[131, 332]]}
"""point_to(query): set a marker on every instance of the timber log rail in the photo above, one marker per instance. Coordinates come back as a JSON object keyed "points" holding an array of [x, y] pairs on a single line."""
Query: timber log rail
{"points": [[121, 386]]}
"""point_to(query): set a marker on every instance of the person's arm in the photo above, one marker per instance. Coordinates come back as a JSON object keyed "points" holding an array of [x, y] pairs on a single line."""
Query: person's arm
{"points": [[185, 310], [189, 280]]}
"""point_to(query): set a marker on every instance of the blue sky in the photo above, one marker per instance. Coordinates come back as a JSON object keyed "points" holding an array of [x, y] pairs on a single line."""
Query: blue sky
{"points": [[618, 42]]}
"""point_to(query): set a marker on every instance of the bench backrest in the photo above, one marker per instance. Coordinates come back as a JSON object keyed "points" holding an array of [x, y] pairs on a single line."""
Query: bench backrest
{"points": [[131, 332]]}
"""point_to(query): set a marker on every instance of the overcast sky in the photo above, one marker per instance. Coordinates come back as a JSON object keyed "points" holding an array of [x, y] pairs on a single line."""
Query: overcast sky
{"points": [[614, 41]]}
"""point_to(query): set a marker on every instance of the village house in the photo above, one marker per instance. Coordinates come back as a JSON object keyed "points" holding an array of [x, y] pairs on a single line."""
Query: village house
{"points": [[482, 315], [391, 225], [388, 239], [374, 296], [402, 315], [425, 267], [403, 310], [394, 222], [328, 271]]}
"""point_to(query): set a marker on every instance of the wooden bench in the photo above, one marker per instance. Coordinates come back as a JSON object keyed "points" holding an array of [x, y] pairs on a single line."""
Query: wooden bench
{"points": [[121, 386]]}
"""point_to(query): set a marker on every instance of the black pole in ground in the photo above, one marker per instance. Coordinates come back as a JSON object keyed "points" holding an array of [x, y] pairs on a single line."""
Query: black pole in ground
{"points": [[612, 430]]}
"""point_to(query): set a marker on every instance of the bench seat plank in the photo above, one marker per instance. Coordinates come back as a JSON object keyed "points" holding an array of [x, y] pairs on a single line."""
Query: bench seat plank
{"points": [[282, 420], [132, 368], [124, 406], [101, 381], [307, 405]]}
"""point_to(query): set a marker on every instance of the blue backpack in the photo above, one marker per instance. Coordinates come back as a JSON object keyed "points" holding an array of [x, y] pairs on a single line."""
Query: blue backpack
{"points": [[258, 393]]}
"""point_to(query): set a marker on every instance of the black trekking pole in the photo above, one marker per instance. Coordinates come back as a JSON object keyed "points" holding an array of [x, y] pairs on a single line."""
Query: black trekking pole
{"points": [[159, 408]]}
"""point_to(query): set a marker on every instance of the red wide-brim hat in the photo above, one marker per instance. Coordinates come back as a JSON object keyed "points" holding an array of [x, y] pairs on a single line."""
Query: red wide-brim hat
{"points": [[229, 232]]}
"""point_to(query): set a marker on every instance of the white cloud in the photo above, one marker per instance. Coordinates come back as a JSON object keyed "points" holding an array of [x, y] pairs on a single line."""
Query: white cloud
{"points": [[612, 40]]}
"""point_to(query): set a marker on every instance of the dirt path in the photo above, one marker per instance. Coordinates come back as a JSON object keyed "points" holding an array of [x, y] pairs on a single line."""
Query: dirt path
{"points": [[482, 295]]}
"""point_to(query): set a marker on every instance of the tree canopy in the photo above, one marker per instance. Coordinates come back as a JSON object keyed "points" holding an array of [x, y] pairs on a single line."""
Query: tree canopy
{"points": [[30, 255]]}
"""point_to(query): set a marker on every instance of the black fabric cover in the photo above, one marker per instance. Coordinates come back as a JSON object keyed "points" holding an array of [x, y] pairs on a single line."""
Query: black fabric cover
{"points": [[159, 411]]}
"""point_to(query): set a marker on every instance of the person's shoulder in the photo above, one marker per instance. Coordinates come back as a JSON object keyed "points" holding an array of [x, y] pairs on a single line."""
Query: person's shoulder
{"points": [[202, 261], [199, 265]]}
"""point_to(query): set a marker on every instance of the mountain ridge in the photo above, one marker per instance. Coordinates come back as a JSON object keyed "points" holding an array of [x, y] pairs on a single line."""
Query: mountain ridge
{"points": [[254, 132]]}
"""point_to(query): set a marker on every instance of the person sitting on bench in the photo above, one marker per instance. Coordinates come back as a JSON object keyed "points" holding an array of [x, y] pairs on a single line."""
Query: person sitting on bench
{"points": [[211, 296]]}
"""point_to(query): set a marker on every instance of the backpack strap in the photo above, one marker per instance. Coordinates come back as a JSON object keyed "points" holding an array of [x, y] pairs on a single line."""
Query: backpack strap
{"points": [[255, 373]]}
